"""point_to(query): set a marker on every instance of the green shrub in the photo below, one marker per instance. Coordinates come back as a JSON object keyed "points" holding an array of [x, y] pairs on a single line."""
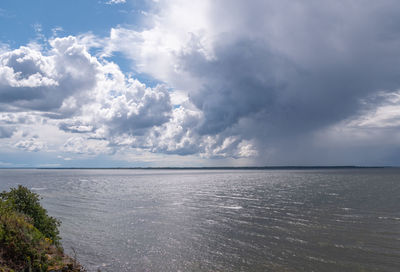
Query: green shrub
{"points": [[24, 201], [29, 238], [21, 244]]}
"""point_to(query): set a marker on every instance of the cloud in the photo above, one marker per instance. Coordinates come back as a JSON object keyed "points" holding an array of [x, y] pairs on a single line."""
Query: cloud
{"points": [[67, 87], [7, 132], [112, 2], [120, 106], [32, 144], [31, 80], [270, 73], [82, 145], [281, 82], [136, 108]]}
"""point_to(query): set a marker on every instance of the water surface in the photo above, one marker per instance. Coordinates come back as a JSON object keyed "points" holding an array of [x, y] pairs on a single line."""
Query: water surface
{"points": [[224, 220]]}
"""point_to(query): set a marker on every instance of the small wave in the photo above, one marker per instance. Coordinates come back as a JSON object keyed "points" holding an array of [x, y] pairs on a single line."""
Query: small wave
{"points": [[339, 246], [388, 218], [211, 222], [235, 197], [296, 240], [232, 207], [322, 260]]}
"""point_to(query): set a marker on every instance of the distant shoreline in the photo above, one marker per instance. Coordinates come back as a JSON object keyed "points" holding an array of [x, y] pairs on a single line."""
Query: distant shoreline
{"points": [[205, 168]]}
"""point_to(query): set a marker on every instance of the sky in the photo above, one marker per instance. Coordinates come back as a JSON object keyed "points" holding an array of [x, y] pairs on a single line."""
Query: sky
{"points": [[126, 83]]}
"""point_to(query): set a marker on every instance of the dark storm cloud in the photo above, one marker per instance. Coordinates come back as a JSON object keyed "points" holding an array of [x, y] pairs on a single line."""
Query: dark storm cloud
{"points": [[285, 69], [243, 81], [286, 76]]}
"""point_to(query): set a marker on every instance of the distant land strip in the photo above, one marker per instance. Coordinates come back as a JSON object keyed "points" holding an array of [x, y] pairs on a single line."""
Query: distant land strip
{"points": [[207, 168]]}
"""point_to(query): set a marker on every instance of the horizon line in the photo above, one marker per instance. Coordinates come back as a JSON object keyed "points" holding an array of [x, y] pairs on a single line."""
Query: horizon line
{"points": [[275, 167]]}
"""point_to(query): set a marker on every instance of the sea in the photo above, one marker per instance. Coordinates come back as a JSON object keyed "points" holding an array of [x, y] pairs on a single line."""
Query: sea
{"points": [[223, 220]]}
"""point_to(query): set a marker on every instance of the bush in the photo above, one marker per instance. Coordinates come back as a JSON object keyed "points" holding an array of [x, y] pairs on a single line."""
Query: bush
{"points": [[21, 243], [29, 238], [24, 201]]}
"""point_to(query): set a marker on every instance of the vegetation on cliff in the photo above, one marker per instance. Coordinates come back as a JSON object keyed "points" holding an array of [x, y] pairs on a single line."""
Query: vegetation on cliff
{"points": [[29, 237]]}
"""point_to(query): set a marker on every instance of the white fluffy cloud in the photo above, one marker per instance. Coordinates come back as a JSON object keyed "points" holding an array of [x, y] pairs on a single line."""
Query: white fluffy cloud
{"points": [[97, 108], [31, 80], [31, 144]]}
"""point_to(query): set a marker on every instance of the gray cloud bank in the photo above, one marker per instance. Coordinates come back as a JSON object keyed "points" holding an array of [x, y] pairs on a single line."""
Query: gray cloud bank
{"points": [[282, 82], [283, 71]]}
